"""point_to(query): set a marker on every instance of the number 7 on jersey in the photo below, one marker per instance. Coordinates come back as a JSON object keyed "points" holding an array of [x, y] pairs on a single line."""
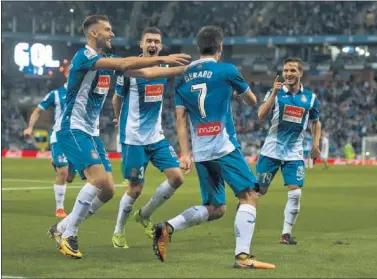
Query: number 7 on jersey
{"points": [[202, 88]]}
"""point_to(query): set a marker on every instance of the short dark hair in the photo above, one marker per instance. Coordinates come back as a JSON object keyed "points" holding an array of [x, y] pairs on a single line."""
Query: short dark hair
{"points": [[295, 60], [209, 39], [93, 19], [152, 30]]}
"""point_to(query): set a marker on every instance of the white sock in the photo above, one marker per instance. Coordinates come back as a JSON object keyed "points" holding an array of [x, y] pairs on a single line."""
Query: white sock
{"points": [[80, 209], [190, 217], [96, 204], [59, 195], [291, 210], [310, 163], [244, 228], [306, 163], [125, 208], [163, 193]]}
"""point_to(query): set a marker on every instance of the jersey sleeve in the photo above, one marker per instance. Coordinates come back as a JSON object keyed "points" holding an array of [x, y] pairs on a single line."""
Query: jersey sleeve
{"points": [[237, 81], [119, 85], [85, 59], [48, 101], [314, 111], [268, 94], [179, 100]]}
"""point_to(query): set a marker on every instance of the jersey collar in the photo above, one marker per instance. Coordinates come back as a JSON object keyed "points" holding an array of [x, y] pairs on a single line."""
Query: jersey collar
{"points": [[65, 85], [193, 63], [285, 89]]}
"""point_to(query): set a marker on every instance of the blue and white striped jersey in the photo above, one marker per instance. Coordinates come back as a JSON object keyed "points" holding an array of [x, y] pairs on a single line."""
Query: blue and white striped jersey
{"points": [[289, 119]]}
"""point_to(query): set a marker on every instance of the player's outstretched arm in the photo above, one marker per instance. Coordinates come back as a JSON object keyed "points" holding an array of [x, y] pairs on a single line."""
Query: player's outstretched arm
{"points": [[156, 72], [33, 120], [183, 139], [129, 63], [117, 102], [269, 100], [249, 98], [316, 135]]}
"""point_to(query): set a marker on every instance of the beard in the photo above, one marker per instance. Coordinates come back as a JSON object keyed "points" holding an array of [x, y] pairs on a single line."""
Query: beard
{"points": [[103, 44]]}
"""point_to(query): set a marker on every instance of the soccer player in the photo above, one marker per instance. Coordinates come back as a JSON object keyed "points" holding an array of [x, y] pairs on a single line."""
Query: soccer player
{"points": [[308, 142], [89, 81], [65, 171], [325, 150], [138, 106], [290, 106], [203, 98]]}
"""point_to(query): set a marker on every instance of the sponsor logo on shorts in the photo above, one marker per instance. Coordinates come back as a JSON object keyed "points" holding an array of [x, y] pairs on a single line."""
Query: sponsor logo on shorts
{"points": [[293, 114], [172, 152], [153, 92], [208, 129], [300, 173], [103, 84]]}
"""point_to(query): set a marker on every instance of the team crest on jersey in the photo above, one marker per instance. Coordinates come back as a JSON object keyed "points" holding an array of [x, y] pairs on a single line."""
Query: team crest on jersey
{"points": [[103, 84], [293, 114], [303, 98], [153, 93], [95, 155]]}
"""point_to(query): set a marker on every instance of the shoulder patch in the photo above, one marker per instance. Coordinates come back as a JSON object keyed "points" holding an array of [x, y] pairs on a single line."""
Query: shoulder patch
{"points": [[90, 54]]}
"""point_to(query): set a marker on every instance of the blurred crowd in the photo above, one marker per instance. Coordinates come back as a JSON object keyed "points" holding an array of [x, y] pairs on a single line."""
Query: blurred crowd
{"points": [[348, 108], [181, 19], [348, 111]]}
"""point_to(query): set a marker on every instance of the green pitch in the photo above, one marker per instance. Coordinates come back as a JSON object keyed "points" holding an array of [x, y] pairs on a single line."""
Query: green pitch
{"points": [[336, 228]]}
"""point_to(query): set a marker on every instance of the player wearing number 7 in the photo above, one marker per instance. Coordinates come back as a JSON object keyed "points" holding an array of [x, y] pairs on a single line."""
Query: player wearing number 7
{"points": [[290, 106], [203, 99]]}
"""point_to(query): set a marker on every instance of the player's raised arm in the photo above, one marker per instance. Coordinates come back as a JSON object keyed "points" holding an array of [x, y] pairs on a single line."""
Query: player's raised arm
{"points": [[269, 100], [129, 63], [156, 72]]}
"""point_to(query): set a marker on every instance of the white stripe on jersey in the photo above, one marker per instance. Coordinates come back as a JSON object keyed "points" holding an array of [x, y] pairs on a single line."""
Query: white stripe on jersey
{"points": [[133, 117], [79, 112], [58, 106], [269, 147], [135, 134]]}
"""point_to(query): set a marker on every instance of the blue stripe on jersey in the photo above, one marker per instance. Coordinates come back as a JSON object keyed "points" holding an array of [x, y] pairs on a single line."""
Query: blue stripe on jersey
{"points": [[289, 121], [141, 125]]}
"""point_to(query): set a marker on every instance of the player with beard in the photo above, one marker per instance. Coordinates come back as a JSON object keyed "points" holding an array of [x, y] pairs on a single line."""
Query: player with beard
{"points": [[138, 106], [290, 106], [89, 81]]}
